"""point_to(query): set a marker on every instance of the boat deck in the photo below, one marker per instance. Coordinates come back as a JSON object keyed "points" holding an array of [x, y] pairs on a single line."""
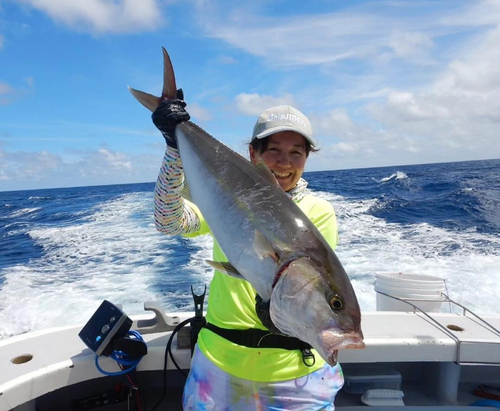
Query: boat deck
{"points": [[415, 398]]}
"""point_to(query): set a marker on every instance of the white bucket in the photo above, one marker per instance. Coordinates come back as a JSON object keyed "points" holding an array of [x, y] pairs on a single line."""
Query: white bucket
{"points": [[411, 287]]}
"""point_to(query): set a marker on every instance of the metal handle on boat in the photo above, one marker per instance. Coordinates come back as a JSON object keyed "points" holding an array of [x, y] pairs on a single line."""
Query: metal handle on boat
{"points": [[159, 323]]}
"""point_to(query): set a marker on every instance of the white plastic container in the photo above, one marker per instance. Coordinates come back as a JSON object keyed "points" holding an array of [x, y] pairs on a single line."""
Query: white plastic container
{"points": [[361, 378], [413, 287]]}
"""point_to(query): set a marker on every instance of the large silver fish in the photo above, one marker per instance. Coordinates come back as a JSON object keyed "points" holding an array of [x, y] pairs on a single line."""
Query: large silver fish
{"points": [[267, 239]]}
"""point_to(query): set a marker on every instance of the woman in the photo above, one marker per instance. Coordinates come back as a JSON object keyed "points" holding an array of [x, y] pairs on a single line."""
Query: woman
{"points": [[225, 375]]}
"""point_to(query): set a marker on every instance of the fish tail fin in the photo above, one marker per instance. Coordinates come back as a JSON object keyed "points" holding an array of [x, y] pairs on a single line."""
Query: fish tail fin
{"points": [[169, 91], [169, 86], [147, 100]]}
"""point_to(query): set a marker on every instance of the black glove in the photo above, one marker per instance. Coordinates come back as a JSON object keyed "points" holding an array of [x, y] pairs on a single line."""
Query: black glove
{"points": [[168, 114]]}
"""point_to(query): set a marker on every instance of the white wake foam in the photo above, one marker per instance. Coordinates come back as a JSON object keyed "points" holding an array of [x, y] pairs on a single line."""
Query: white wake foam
{"points": [[399, 175], [118, 256], [23, 211], [468, 261]]}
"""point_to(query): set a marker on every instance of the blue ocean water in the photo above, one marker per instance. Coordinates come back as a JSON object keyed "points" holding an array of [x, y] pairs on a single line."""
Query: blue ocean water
{"points": [[62, 251]]}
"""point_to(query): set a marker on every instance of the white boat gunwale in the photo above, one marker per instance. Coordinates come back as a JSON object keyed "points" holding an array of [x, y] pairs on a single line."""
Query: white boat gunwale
{"points": [[60, 359]]}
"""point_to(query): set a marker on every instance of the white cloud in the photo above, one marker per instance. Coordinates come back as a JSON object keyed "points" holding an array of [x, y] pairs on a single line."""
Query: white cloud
{"points": [[102, 16], [455, 116], [409, 107], [1, 41], [108, 160], [30, 81], [254, 104], [9, 94], [477, 13], [478, 72], [6, 94], [468, 90], [5, 89], [24, 170], [293, 41], [362, 32], [337, 122], [410, 44], [227, 60], [343, 147], [28, 166]]}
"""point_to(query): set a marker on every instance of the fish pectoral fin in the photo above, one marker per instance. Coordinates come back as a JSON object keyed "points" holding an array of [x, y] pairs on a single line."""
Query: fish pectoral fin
{"points": [[147, 100], [226, 268], [185, 192], [265, 172], [263, 247]]}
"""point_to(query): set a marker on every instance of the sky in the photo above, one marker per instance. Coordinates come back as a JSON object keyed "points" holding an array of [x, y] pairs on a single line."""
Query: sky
{"points": [[382, 82]]}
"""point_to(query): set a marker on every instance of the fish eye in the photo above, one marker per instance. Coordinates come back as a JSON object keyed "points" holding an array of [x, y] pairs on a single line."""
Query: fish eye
{"points": [[336, 303]]}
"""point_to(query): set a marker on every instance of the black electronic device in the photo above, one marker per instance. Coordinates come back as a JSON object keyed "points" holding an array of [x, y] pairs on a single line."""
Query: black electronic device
{"points": [[104, 327]]}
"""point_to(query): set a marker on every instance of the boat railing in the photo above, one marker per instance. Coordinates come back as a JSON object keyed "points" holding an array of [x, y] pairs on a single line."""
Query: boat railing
{"points": [[449, 330]]}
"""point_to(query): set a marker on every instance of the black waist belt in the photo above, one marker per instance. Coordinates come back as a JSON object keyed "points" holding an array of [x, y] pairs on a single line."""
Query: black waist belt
{"points": [[256, 338]]}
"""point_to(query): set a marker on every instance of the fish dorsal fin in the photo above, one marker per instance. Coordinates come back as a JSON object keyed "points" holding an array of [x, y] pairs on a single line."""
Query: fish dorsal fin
{"points": [[263, 247], [265, 172], [226, 268], [147, 100]]}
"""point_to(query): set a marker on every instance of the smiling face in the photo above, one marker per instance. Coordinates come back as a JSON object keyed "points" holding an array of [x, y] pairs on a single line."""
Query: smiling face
{"points": [[285, 156]]}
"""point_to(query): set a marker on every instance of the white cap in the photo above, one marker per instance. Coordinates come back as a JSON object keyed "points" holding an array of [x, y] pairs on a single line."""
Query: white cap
{"points": [[282, 118]]}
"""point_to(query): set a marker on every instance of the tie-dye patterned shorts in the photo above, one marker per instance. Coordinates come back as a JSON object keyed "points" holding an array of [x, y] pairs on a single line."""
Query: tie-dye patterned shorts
{"points": [[210, 388]]}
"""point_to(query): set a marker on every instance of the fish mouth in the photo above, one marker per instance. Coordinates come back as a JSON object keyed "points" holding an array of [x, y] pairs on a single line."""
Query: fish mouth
{"points": [[334, 343], [332, 358]]}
